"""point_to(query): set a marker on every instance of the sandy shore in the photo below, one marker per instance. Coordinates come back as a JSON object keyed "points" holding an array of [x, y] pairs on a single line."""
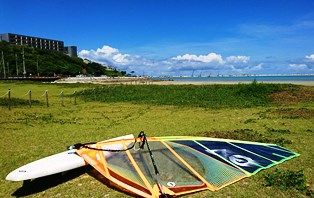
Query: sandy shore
{"points": [[304, 83], [147, 81], [105, 80]]}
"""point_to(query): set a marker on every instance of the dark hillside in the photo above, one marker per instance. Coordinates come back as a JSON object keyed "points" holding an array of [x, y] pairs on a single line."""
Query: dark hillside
{"points": [[50, 63]]}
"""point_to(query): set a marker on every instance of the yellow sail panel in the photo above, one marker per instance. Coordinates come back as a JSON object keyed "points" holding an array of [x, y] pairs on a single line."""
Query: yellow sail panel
{"points": [[185, 165], [118, 169], [92, 157]]}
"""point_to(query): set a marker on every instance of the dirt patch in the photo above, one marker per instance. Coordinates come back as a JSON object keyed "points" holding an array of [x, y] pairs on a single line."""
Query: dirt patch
{"points": [[248, 135], [293, 95], [295, 113]]}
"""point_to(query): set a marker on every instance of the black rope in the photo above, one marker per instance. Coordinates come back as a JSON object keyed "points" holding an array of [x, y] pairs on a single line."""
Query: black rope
{"points": [[142, 135], [144, 141]]}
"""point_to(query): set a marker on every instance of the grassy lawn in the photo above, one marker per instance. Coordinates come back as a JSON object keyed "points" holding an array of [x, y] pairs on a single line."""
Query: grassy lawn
{"points": [[282, 114]]}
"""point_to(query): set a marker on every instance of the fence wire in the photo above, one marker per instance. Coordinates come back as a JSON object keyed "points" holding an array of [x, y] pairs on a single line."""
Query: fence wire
{"points": [[74, 97], [4, 94]]}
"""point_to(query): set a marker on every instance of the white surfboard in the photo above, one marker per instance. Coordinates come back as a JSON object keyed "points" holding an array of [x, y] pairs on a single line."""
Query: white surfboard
{"points": [[57, 163]]}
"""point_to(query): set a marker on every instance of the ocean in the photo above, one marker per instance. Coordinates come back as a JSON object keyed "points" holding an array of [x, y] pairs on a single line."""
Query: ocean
{"points": [[289, 78]]}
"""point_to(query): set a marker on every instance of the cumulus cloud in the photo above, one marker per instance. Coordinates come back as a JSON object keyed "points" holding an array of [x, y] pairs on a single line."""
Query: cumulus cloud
{"points": [[310, 57], [300, 66], [185, 64], [122, 58], [173, 65], [238, 59], [256, 67], [107, 50], [106, 54], [209, 58], [181, 64]]}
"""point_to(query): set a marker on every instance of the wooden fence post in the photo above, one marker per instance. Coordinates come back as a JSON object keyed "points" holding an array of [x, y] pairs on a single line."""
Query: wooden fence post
{"points": [[84, 93], [47, 103], [9, 99], [74, 97], [30, 98], [62, 99], [94, 94]]}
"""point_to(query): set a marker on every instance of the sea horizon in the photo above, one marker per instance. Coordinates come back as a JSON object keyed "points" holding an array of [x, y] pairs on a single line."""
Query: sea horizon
{"points": [[241, 78]]}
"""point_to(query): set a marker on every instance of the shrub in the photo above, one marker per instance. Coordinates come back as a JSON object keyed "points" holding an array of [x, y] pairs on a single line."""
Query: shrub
{"points": [[288, 179], [17, 102], [208, 96]]}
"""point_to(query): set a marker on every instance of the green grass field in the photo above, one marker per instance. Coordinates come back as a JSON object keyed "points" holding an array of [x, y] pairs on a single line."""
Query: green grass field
{"points": [[282, 114]]}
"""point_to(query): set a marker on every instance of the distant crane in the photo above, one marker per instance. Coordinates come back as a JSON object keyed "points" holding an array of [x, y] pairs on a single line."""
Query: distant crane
{"points": [[200, 75]]}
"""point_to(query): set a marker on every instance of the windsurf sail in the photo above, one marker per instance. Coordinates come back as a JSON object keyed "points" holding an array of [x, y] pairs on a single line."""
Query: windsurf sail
{"points": [[185, 164]]}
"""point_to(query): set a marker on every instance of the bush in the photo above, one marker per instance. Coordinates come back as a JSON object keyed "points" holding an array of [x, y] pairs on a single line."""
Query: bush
{"points": [[288, 179], [208, 96], [17, 102]]}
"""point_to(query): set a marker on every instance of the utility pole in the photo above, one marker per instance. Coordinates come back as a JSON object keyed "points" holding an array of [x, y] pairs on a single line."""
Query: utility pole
{"points": [[8, 65], [4, 74], [37, 67], [17, 68], [24, 71]]}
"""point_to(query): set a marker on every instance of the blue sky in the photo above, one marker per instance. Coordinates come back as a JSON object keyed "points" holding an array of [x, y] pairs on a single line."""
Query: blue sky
{"points": [[168, 37]]}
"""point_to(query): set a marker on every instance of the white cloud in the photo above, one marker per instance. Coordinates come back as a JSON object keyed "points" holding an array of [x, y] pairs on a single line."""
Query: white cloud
{"points": [[84, 53], [121, 58], [106, 54], [107, 50], [245, 70], [310, 57], [257, 67], [173, 65], [209, 58], [185, 64], [295, 66], [238, 59]]}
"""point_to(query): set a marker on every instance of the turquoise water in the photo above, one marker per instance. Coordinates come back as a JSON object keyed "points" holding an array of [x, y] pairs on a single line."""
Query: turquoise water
{"points": [[305, 78]]}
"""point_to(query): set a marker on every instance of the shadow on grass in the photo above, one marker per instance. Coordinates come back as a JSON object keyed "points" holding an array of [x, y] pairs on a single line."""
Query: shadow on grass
{"points": [[41, 184], [94, 173]]}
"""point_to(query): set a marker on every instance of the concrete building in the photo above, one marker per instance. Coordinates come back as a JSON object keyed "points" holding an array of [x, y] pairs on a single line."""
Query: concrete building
{"points": [[40, 43], [71, 51]]}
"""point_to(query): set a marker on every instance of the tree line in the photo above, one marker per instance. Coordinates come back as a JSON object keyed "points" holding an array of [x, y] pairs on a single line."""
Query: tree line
{"points": [[46, 63]]}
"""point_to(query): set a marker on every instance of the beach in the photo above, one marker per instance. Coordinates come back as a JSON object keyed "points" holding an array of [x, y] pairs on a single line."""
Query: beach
{"points": [[148, 81], [304, 83], [105, 80]]}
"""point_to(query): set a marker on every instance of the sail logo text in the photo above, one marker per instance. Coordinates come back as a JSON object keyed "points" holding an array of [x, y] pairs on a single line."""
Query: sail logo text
{"points": [[236, 159]]}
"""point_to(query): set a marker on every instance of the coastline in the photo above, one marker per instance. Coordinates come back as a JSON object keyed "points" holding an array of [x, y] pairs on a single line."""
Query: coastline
{"points": [[304, 83], [105, 80], [147, 81]]}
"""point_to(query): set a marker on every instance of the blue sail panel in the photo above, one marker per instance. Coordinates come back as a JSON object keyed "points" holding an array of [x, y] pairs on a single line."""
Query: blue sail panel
{"points": [[276, 154], [246, 160], [197, 146]]}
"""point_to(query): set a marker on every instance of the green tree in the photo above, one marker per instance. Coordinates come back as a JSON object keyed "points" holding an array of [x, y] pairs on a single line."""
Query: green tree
{"points": [[49, 63]]}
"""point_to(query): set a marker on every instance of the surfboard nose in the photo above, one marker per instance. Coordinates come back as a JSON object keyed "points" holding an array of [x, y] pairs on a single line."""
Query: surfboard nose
{"points": [[53, 164], [16, 175]]}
